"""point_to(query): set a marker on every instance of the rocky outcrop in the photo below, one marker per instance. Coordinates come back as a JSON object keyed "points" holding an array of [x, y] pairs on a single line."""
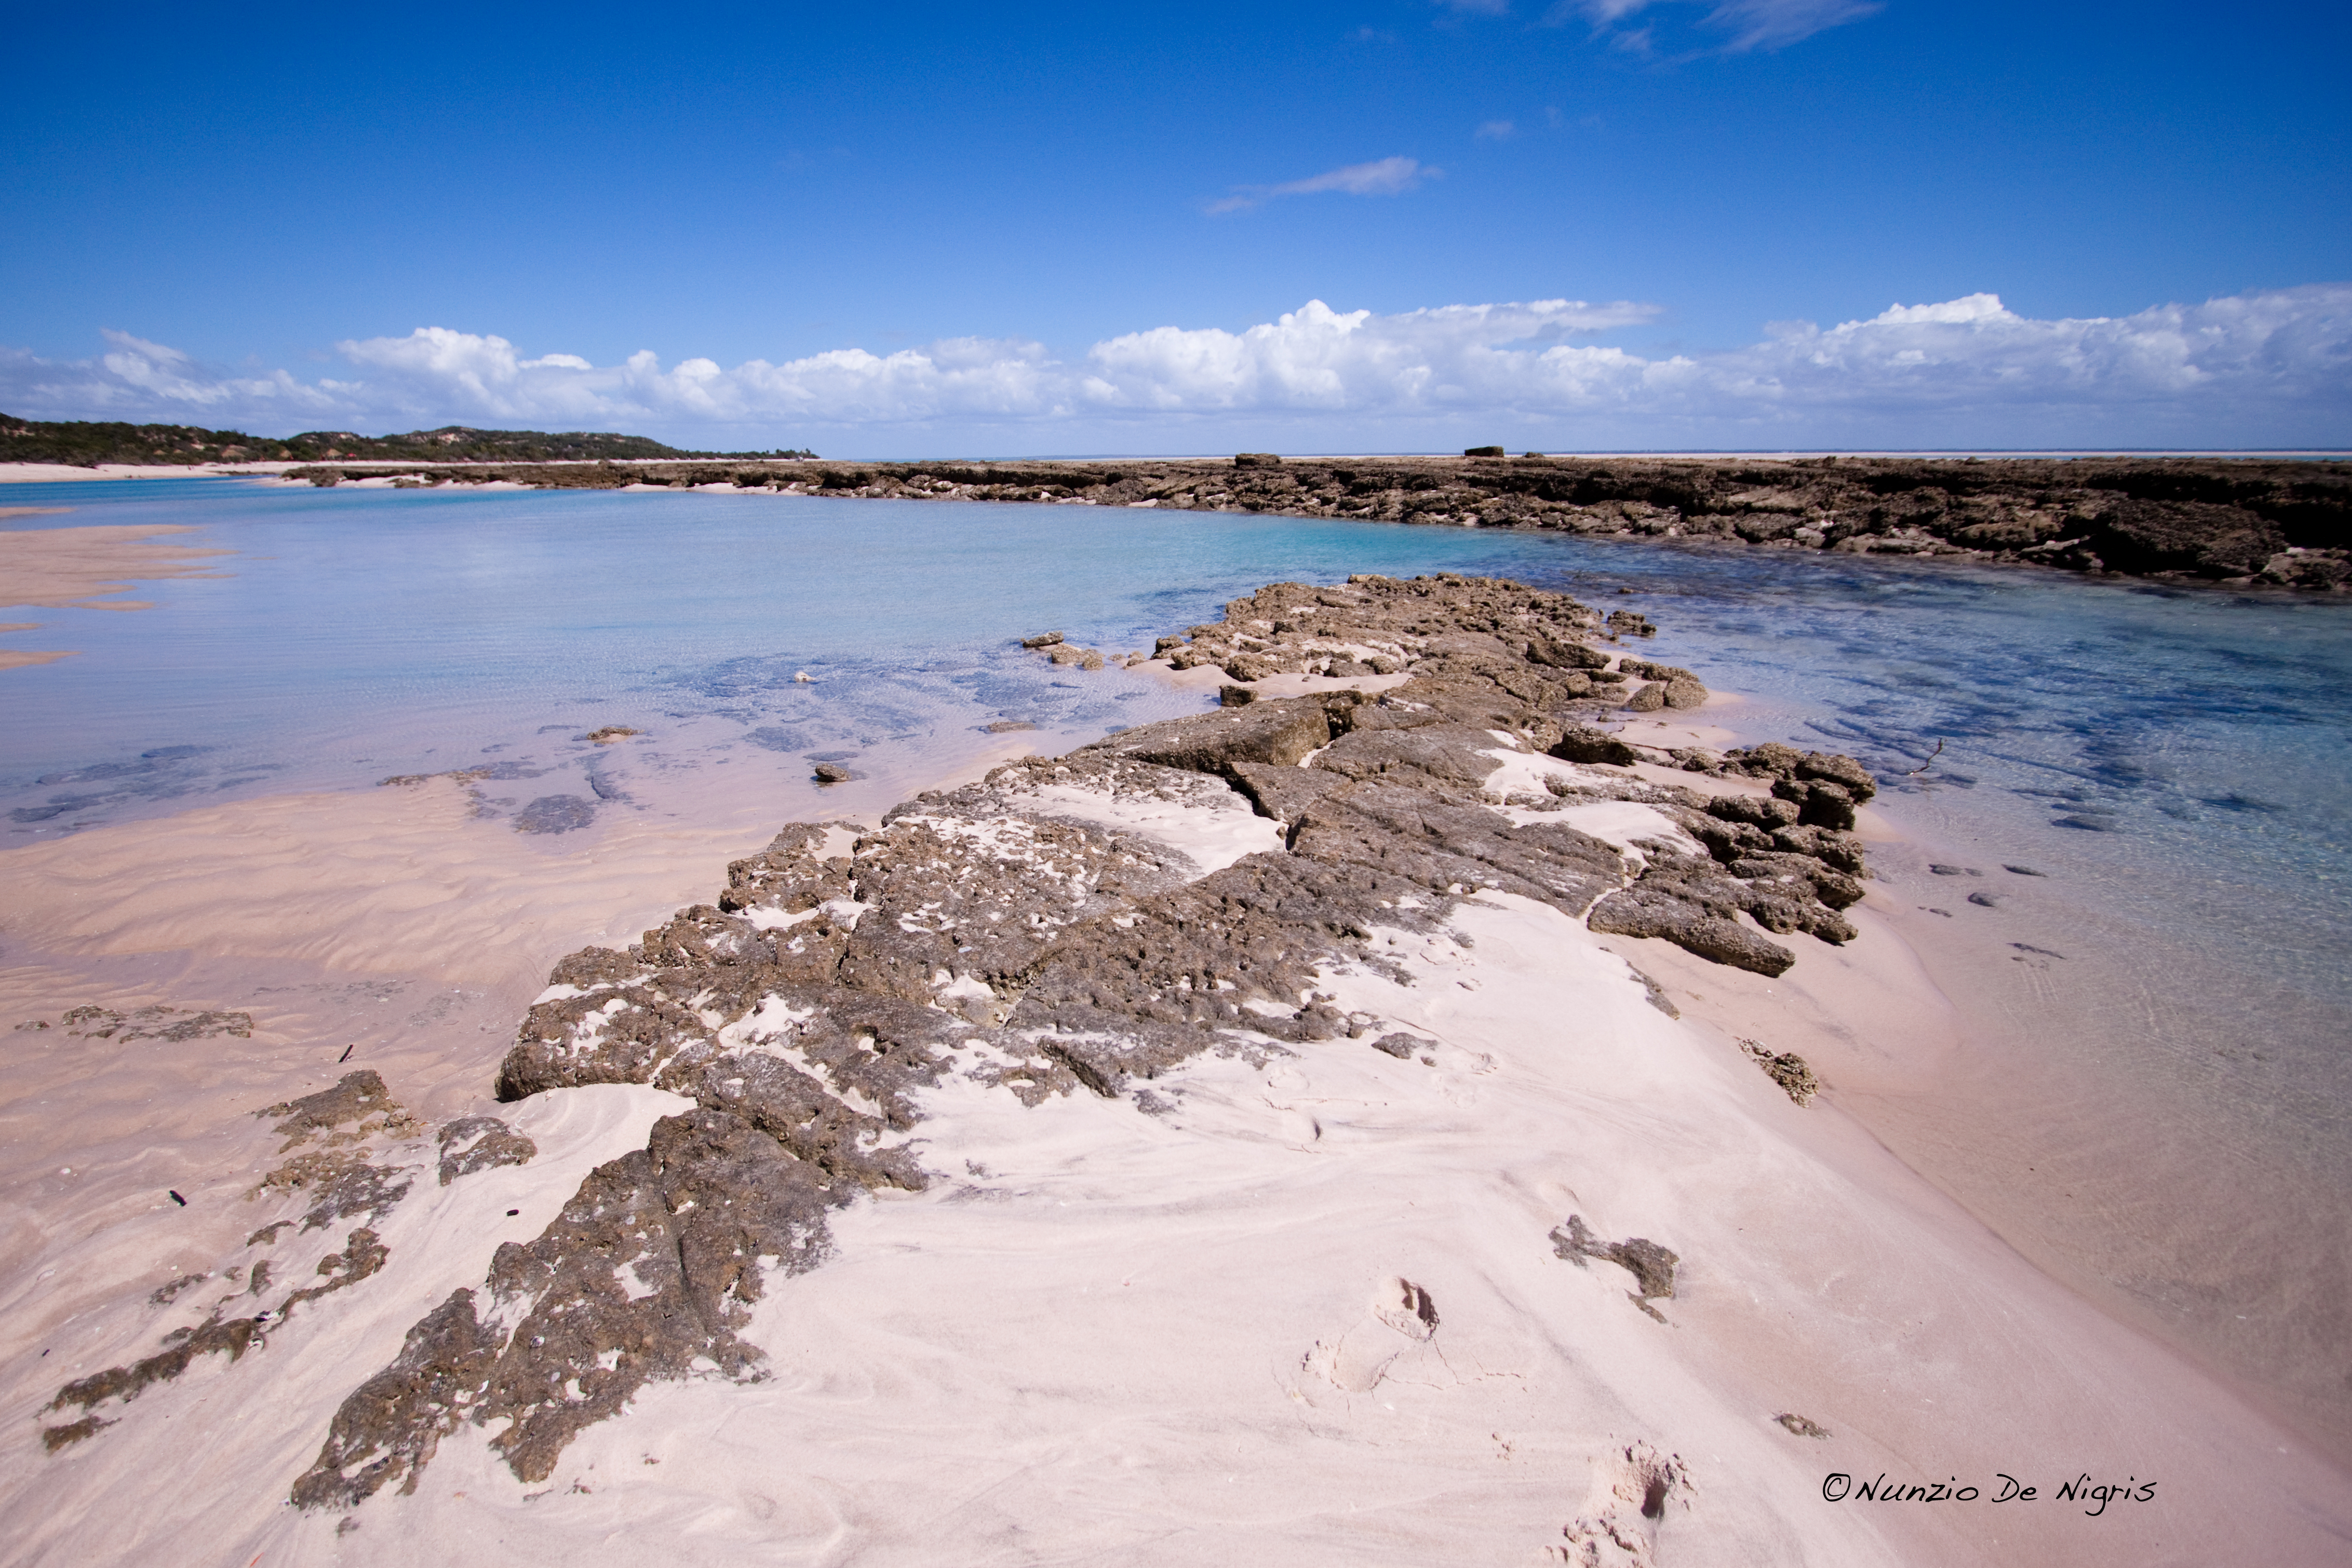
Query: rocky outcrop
{"points": [[1652, 1266], [2245, 521], [344, 1157], [473, 1144], [156, 1021], [1024, 932]]}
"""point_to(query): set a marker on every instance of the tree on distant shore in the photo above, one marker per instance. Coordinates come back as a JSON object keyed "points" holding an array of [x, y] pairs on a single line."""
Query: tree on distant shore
{"points": [[87, 443]]}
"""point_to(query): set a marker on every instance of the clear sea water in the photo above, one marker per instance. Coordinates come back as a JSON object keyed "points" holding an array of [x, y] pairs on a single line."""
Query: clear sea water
{"points": [[2173, 758]]}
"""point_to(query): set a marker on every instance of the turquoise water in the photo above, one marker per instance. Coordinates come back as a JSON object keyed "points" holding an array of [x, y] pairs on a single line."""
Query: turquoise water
{"points": [[368, 632], [362, 634], [2172, 759], [371, 632]]}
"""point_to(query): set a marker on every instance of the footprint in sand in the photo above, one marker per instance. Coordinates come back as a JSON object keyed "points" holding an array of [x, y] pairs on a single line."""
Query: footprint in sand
{"points": [[1632, 1488], [1400, 1318]]}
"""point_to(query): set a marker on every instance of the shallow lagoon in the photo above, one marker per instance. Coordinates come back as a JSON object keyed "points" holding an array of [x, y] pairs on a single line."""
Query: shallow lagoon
{"points": [[2173, 760], [2198, 735]]}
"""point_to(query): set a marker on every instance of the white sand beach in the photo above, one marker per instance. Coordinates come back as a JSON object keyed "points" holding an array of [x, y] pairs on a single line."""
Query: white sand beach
{"points": [[1300, 1308]]}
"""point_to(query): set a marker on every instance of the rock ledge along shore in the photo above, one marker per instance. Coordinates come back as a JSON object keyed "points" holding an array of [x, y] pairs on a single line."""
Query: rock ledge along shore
{"points": [[2247, 522], [1078, 926]]}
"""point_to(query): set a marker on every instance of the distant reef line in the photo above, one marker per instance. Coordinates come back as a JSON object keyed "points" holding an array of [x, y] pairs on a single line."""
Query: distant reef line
{"points": [[2233, 521]]}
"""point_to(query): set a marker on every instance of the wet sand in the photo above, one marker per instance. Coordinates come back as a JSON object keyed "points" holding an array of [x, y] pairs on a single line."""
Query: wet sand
{"points": [[82, 569], [2096, 1164]]}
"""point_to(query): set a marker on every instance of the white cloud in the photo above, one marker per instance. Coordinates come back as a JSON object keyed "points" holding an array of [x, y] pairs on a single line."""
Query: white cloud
{"points": [[2272, 368], [138, 374], [1317, 359], [1381, 177], [1751, 23], [1497, 131]]}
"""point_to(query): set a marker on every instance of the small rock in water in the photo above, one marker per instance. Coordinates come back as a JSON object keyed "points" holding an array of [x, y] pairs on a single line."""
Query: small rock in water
{"points": [[609, 734], [1802, 1426], [1235, 696], [1984, 900], [1954, 871], [1007, 726], [1041, 640], [833, 773], [555, 814], [2024, 871]]}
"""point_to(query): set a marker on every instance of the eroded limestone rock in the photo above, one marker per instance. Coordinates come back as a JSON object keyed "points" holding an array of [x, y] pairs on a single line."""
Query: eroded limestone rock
{"points": [[1034, 933]]}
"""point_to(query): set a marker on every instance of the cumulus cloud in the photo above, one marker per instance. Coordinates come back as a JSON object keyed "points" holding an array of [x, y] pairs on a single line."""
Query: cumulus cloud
{"points": [[2272, 368], [1320, 359], [1381, 177], [151, 381]]}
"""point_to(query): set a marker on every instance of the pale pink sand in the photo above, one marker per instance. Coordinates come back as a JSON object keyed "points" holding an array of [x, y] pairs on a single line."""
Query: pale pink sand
{"points": [[1105, 1335], [69, 472], [74, 566]]}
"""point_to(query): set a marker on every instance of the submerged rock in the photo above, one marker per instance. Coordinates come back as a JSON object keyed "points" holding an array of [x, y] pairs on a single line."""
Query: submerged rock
{"points": [[170, 1024], [555, 814]]}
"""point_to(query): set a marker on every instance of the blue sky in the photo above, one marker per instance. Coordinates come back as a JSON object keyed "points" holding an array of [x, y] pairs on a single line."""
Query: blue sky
{"points": [[252, 199]]}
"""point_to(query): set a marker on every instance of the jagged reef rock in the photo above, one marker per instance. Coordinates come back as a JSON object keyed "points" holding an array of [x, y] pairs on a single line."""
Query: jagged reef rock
{"points": [[2238, 520], [1066, 926]]}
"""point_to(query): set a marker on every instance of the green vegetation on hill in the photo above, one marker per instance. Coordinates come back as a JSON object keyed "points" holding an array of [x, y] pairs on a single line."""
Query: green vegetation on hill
{"points": [[88, 443]]}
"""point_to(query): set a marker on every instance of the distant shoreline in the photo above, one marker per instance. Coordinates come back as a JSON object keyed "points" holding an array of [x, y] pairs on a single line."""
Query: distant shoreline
{"points": [[2242, 521], [48, 473]]}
